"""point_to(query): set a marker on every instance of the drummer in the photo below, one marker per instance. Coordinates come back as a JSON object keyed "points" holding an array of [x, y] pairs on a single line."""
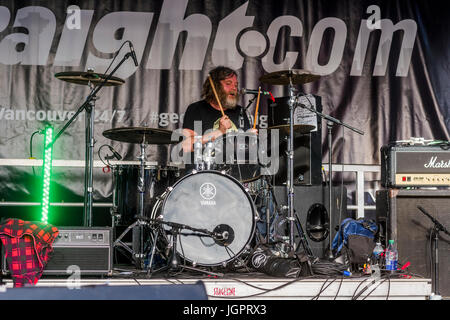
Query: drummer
{"points": [[204, 118]]}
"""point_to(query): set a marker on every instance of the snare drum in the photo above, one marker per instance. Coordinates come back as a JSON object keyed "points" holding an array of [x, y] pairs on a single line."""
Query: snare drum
{"points": [[212, 201], [126, 192]]}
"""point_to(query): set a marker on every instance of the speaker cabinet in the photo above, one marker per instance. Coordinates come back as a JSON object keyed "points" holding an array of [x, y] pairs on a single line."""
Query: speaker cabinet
{"points": [[307, 147], [311, 205], [403, 222]]}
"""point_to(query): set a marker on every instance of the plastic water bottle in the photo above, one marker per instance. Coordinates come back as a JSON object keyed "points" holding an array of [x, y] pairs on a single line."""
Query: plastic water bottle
{"points": [[377, 251], [391, 257]]}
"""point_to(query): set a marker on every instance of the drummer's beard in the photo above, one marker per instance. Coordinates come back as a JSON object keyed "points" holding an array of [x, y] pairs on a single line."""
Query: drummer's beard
{"points": [[228, 99]]}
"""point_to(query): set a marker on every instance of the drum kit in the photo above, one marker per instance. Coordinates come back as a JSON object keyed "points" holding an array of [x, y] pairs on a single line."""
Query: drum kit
{"points": [[206, 216]]}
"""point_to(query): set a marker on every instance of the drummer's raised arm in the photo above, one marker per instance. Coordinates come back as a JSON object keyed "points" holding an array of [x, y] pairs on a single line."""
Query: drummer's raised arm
{"points": [[188, 142]]}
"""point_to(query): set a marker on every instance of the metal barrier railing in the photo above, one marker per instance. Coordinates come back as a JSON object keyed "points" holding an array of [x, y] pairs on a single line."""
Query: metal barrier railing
{"points": [[359, 169]]}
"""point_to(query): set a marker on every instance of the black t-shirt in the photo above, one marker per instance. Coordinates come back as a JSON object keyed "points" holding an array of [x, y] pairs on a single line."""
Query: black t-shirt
{"points": [[209, 117]]}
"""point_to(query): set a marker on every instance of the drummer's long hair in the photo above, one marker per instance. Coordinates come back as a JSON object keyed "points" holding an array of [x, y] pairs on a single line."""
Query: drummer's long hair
{"points": [[217, 74]]}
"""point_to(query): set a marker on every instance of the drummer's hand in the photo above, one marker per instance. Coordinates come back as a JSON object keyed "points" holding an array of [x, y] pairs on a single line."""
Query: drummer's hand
{"points": [[224, 124], [255, 131]]}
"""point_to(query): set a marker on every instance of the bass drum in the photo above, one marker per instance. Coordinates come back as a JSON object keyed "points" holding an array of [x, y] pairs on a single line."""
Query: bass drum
{"points": [[215, 202]]}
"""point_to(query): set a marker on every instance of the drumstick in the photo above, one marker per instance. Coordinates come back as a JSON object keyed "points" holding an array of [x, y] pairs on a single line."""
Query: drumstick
{"points": [[256, 110], [215, 94]]}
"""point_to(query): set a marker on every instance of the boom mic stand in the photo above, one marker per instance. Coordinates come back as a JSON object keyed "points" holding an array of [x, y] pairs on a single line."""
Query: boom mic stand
{"points": [[436, 229], [89, 107], [330, 122], [173, 263]]}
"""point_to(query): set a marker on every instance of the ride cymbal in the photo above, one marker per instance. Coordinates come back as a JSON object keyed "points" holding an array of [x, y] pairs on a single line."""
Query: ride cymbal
{"points": [[85, 78], [286, 77], [140, 135]]}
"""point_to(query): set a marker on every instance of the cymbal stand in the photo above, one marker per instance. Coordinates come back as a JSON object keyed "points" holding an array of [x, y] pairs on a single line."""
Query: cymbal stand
{"points": [[89, 158], [139, 253], [330, 123], [88, 106], [290, 166], [291, 218]]}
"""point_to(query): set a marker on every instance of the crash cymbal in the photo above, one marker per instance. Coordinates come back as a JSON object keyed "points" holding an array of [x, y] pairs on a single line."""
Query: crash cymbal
{"points": [[139, 135], [286, 77], [85, 78], [298, 128]]}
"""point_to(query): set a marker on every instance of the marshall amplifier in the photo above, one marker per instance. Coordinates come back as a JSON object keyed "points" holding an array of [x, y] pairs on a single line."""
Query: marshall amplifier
{"points": [[415, 166], [87, 249]]}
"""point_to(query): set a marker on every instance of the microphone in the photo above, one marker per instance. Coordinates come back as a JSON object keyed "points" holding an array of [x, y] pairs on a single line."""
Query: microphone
{"points": [[118, 156], [133, 54], [436, 223], [221, 235], [250, 91]]}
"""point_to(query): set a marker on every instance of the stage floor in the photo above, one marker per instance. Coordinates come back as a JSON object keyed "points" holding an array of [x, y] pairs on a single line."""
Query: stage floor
{"points": [[257, 286]]}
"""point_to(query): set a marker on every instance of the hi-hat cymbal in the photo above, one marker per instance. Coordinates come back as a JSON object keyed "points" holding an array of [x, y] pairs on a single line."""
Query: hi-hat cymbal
{"points": [[286, 77], [140, 135], [85, 78]]}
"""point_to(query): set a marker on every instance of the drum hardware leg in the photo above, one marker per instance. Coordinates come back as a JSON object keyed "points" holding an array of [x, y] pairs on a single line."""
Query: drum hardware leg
{"points": [[152, 254], [137, 256], [303, 240]]}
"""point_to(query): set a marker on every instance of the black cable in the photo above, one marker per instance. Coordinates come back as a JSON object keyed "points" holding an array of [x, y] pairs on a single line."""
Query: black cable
{"points": [[31, 147], [323, 288], [316, 297], [359, 285], [432, 230], [389, 288], [262, 289], [107, 69], [339, 288], [99, 156], [328, 268], [379, 284], [357, 295]]}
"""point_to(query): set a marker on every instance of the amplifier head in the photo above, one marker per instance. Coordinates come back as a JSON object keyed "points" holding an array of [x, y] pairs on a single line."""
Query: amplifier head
{"points": [[415, 166]]}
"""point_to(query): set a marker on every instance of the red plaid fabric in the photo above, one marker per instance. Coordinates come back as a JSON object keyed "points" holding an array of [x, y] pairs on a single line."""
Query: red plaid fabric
{"points": [[27, 248]]}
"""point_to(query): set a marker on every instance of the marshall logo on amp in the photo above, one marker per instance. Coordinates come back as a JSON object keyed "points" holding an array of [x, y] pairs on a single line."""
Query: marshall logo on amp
{"points": [[415, 166], [435, 163]]}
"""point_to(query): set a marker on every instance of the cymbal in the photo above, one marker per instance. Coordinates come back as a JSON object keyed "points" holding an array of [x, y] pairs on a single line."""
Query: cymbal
{"points": [[88, 77], [286, 77], [298, 128], [140, 135]]}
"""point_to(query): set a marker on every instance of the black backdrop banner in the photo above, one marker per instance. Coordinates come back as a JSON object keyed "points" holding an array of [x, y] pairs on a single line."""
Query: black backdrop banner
{"points": [[384, 69]]}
